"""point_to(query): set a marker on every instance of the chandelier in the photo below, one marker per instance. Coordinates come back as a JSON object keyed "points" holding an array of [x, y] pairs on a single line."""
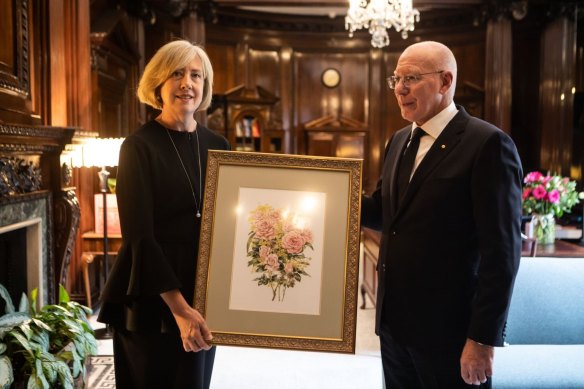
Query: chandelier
{"points": [[378, 16]]}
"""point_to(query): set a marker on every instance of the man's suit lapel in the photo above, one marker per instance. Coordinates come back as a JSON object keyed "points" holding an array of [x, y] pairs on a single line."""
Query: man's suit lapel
{"points": [[443, 145]]}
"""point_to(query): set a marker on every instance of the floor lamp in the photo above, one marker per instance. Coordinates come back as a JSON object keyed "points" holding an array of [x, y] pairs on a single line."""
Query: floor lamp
{"points": [[103, 152]]}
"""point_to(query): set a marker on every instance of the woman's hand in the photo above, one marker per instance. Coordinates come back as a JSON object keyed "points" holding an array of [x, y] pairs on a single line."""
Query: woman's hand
{"points": [[193, 329]]}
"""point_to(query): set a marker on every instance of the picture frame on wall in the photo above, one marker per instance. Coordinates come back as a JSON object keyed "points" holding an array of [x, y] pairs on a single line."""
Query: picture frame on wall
{"points": [[279, 251]]}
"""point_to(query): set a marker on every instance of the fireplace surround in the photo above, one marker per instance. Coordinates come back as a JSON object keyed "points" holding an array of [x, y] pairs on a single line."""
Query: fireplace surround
{"points": [[35, 197]]}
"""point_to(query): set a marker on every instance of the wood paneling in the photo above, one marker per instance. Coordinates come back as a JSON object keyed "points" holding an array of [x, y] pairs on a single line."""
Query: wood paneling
{"points": [[557, 101], [498, 73], [223, 61]]}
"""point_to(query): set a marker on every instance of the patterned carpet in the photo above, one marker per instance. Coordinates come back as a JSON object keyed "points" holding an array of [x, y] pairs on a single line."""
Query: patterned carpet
{"points": [[100, 372]]}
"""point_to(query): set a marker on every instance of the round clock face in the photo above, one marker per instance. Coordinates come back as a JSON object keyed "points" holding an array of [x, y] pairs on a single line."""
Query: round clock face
{"points": [[331, 77]]}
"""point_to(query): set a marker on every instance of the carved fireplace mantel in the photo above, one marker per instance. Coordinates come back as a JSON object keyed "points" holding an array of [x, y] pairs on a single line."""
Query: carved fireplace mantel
{"points": [[31, 172]]}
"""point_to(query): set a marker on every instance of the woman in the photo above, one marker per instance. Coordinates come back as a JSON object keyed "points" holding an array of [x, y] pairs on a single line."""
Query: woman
{"points": [[159, 339]]}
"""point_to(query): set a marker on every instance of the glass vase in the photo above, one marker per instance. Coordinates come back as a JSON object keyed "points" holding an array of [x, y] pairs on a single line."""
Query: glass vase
{"points": [[544, 228]]}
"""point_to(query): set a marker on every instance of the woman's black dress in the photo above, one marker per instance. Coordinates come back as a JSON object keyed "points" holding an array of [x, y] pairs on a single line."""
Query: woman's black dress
{"points": [[160, 240]]}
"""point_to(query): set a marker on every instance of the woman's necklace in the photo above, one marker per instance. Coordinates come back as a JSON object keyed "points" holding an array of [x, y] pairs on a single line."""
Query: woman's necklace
{"points": [[185, 170]]}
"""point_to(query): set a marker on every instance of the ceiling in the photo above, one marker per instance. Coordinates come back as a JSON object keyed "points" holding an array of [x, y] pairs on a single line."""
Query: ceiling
{"points": [[331, 8]]}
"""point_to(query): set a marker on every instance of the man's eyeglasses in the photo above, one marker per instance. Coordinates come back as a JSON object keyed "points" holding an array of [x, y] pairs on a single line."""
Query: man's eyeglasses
{"points": [[408, 80]]}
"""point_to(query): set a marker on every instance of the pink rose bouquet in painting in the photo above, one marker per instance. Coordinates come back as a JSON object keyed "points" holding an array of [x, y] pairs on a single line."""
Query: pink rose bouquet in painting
{"points": [[275, 249]]}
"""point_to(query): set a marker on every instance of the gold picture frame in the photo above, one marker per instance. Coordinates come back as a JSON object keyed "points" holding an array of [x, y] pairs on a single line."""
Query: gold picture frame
{"points": [[279, 251]]}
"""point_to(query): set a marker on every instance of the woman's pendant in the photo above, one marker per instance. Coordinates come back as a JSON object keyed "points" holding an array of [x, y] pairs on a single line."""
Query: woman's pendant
{"points": [[198, 214]]}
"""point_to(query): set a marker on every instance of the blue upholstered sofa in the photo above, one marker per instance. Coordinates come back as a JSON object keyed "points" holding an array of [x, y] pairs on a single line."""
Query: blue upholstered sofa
{"points": [[545, 329]]}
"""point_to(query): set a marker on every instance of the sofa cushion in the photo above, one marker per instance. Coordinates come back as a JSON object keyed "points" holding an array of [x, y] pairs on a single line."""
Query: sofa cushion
{"points": [[539, 367], [547, 304]]}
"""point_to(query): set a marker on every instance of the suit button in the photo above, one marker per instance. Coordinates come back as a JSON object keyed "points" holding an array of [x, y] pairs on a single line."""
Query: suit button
{"points": [[393, 233], [383, 266]]}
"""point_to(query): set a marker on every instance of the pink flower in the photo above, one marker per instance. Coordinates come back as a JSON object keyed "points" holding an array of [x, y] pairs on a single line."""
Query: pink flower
{"points": [[293, 242], [554, 196], [264, 251], [526, 193], [272, 262], [539, 192], [533, 177], [265, 228], [289, 268], [307, 235]]}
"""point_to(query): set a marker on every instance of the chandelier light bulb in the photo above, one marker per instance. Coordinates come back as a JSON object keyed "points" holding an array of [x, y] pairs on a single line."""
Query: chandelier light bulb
{"points": [[379, 15]]}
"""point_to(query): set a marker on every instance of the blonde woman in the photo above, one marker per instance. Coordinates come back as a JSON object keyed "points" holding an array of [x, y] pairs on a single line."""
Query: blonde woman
{"points": [[160, 341]]}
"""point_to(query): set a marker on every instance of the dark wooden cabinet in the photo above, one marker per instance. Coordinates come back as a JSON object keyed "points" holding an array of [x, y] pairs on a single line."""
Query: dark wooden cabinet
{"points": [[245, 116]]}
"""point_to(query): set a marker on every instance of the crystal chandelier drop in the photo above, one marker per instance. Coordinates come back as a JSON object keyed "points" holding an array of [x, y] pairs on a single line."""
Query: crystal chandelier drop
{"points": [[378, 16]]}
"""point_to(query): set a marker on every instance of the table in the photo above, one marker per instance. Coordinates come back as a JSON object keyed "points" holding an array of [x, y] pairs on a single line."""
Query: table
{"points": [[92, 247], [560, 249]]}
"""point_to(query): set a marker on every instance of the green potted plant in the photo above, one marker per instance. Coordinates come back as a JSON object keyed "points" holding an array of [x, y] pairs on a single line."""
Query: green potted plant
{"points": [[45, 348]]}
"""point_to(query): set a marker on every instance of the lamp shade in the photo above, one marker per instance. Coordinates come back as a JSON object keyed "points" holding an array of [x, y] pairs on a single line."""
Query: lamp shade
{"points": [[101, 152]]}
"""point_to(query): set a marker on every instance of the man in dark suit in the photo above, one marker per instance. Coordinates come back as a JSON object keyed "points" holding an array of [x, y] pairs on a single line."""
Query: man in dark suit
{"points": [[448, 204]]}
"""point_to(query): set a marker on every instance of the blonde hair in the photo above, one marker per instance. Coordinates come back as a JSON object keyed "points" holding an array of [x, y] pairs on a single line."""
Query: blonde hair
{"points": [[170, 57]]}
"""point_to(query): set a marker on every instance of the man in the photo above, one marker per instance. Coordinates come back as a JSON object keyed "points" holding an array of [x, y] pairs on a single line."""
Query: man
{"points": [[451, 238]]}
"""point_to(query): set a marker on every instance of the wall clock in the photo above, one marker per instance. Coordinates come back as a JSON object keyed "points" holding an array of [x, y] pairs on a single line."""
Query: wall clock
{"points": [[331, 77]]}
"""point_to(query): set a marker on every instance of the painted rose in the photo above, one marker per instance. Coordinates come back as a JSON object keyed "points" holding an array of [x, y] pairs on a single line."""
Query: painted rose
{"points": [[293, 242], [307, 235], [264, 251], [265, 229], [272, 262], [289, 268], [275, 249]]}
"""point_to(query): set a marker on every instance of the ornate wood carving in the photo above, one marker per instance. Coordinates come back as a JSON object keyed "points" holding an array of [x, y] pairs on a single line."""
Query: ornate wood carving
{"points": [[66, 217], [17, 81], [18, 176]]}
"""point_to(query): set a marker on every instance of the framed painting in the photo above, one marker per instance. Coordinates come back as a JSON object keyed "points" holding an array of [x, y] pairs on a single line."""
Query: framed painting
{"points": [[279, 251]]}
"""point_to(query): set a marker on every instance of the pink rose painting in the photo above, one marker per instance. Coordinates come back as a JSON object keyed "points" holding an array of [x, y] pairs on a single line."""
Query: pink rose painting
{"points": [[275, 250]]}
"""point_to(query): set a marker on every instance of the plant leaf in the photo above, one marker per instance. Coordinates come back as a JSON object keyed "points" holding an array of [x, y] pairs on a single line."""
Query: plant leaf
{"points": [[63, 295], [6, 374], [33, 299], [23, 306], [6, 296], [10, 320]]}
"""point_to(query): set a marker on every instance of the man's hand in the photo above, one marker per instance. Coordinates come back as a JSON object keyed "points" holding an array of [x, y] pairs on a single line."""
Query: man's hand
{"points": [[476, 362]]}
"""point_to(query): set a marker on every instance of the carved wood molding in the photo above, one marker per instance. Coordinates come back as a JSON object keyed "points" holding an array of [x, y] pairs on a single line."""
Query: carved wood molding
{"points": [[14, 137], [66, 218], [18, 176], [18, 82]]}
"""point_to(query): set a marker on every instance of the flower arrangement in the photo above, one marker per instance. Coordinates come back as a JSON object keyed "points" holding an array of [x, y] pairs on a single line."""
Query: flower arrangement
{"points": [[549, 194], [276, 249]]}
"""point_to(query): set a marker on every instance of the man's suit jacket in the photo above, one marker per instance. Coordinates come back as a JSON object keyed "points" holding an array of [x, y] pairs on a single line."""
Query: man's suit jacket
{"points": [[450, 251]]}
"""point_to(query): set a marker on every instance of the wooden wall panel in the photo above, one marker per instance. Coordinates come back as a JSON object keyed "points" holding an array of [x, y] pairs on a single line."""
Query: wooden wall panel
{"points": [[313, 99], [264, 68], [58, 78], [557, 100], [499, 56], [223, 61], [20, 62]]}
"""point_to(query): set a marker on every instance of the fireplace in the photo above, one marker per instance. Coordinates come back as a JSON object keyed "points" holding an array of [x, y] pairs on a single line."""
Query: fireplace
{"points": [[39, 214], [25, 257]]}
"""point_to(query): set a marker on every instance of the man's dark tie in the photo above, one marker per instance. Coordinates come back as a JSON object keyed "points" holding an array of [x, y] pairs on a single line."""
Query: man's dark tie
{"points": [[407, 163]]}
